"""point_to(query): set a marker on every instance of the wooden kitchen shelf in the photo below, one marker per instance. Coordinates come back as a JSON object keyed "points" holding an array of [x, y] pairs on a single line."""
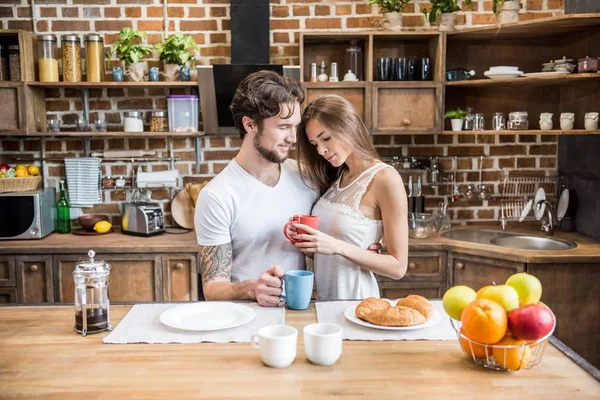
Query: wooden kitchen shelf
{"points": [[335, 85], [144, 134], [527, 132], [528, 80], [113, 85]]}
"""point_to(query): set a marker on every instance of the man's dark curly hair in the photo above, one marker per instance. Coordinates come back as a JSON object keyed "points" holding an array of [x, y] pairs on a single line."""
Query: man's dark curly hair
{"points": [[260, 96]]}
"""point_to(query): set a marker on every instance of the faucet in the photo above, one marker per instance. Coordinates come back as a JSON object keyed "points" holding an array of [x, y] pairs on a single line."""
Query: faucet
{"points": [[548, 227]]}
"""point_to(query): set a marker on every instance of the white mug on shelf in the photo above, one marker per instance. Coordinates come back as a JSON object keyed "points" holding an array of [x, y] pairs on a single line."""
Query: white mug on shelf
{"points": [[566, 121], [591, 121], [277, 345], [546, 121], [323, 343]]}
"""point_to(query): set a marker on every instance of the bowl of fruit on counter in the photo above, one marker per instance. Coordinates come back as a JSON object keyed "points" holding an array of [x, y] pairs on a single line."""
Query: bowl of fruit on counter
{"points": [[19, 178]]}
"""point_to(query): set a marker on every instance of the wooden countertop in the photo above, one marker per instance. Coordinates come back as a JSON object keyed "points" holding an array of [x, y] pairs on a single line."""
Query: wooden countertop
{"points": [[587, 250], [43, 357], [114, 242]]}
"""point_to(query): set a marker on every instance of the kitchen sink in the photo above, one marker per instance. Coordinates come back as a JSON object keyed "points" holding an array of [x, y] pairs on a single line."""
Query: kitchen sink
{"points": [[509, 240], [533, 243]]}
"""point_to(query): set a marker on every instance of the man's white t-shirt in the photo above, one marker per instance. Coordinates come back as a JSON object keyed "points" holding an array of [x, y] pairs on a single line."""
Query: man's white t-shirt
{"points": [[238, 208]]}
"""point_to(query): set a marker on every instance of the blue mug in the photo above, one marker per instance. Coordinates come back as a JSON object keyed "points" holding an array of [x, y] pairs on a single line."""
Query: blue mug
{"points": [[117, 74], [298, 288], [154, 74]]}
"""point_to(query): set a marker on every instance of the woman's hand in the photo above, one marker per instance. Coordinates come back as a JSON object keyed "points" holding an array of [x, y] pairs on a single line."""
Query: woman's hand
{"points": [[315, 241]]}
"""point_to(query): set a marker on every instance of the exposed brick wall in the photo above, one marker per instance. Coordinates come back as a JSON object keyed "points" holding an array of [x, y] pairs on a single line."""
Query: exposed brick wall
{"points": [[208, 21]]}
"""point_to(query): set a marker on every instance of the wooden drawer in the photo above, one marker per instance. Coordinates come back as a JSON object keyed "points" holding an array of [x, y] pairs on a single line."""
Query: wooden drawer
{"points": [[430, 266], [7, 271], [398, 289], [34, 279], [133, 277], [8, 295], [180, 277], [477, 272]]}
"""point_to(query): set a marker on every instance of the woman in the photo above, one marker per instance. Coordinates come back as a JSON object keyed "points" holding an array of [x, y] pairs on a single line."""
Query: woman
{"points": [[363, 200]]}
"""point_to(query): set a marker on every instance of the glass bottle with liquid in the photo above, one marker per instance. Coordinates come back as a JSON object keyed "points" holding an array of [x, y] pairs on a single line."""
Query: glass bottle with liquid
{"points": [[63, 211]]}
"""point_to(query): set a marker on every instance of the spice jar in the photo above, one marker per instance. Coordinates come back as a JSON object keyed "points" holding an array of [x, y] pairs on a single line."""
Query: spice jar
{"points": [[133, 121], [94, 53], [4, 64], [90, 279], [71, 46], [48, 62], [14, 63], [159, 121], [517, 121]]}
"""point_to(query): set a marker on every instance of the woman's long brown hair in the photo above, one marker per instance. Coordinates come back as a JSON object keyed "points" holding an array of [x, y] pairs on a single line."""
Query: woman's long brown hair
{"points": [[342, 122]]}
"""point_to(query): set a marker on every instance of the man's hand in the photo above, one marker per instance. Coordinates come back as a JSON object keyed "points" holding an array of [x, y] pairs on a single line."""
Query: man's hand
{"points": [[268, 287]]}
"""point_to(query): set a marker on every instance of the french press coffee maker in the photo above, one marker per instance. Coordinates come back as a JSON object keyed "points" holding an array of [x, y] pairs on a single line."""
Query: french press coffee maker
{"points": [[91, 295]]}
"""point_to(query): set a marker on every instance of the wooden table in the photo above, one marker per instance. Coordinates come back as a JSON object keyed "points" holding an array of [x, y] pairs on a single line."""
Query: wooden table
{"points": [[42, 357]]}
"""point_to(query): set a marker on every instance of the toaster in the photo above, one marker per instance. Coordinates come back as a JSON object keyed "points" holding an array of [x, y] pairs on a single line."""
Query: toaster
{"points": [[142, 219]]}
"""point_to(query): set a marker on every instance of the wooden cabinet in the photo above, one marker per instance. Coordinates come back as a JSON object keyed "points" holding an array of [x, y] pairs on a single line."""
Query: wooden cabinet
{"points": [[180, 277], [133, 277], [34, 279], [357, 93], [571, 292], [7, 271], [477, 272], [426, 275], [8, 295]]}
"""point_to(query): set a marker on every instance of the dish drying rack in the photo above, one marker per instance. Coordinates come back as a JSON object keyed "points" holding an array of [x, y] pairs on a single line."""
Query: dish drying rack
{"points": [[518, 190]]}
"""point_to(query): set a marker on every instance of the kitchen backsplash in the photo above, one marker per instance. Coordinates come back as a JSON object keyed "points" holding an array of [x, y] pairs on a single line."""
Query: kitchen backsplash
{"points": [[209, 23]]}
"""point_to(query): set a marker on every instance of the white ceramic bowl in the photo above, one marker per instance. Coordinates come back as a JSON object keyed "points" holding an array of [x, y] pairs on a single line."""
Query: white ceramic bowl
{"points": [[503, 69]]}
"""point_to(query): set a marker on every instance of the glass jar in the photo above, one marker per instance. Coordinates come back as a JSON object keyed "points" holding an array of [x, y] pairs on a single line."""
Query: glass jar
{"points": [[354, 60], [517, 121], [94, 58], [133, 121], [71, 46], [498, 122], [469, 120], [91, 295], [159, 121], [478, 122], [4, 76], [14, 63], [48, 58]]}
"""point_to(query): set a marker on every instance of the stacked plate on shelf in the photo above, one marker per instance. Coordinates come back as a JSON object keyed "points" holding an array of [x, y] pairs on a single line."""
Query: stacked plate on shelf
{"points": [[503, 72]]}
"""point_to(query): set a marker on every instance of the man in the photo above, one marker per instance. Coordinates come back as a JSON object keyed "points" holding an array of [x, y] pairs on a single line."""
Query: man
{"points": [[240, 214]]}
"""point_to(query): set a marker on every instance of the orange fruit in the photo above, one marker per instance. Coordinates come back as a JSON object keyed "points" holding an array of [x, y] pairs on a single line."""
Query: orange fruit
{"points": [[484, 321], [470, 348], [512, 358], [21, 173], [33, 170]]}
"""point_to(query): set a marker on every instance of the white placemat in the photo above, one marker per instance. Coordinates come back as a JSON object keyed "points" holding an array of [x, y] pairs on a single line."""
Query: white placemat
{"points": [[142, 325], [333, 312]]}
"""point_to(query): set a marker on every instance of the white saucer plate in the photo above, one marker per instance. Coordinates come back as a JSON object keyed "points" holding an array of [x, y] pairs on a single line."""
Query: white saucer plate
{"points": [[207, 316]]}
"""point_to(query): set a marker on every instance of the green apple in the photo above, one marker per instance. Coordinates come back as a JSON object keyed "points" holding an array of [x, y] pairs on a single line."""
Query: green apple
{"points": [[504, 295], [527, 286], [456, 299]]}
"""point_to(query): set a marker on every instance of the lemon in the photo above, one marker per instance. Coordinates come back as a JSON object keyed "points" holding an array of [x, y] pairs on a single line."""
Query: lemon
{"points": [[33, 170], [102, 226]]}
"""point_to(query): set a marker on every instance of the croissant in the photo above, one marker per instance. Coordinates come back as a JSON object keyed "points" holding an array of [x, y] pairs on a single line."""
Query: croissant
{"points": [[396, 316], [369, 305], [417, 302]]}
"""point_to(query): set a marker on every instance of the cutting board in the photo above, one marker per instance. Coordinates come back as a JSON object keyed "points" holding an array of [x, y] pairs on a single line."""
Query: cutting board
{"points": [[182, 211]]}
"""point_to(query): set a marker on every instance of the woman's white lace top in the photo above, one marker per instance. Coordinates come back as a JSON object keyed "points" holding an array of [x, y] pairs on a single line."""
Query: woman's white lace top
{"points": [[340, 217]]}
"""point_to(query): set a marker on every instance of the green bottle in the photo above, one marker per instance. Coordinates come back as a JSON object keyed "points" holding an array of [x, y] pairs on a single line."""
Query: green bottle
{"points": [[63, 211]]}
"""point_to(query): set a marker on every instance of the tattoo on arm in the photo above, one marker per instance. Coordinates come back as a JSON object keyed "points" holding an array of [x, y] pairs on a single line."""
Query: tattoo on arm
{"points": [[215, 263]]}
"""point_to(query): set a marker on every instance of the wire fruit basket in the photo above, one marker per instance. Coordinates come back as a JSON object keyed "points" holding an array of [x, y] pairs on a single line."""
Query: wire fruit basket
{"points": [[504, 357]]}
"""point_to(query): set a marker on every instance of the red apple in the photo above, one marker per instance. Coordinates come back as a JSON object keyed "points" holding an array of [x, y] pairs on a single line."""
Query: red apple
{"points": [[530, 322]]}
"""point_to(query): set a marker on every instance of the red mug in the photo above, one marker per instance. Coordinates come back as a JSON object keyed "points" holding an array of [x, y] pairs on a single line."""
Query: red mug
{"points": [[309, 220]]}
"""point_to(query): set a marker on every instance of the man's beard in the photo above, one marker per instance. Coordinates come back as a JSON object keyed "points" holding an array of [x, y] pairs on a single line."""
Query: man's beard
{"points": [[269, 155]]}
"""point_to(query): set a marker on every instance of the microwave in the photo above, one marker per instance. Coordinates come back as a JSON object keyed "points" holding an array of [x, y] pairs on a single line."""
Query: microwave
{"points": [[27, 215]]}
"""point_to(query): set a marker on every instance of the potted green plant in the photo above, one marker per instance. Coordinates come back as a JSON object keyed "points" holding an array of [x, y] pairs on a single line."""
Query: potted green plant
{"points": [[507, 11], [390, 9], [131, 51], [445, 9], [456, 118], [174, 54]]}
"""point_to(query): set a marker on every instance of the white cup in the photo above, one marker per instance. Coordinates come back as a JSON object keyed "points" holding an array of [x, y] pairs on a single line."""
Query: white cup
{"points": [[323, 343], [277, 345]]}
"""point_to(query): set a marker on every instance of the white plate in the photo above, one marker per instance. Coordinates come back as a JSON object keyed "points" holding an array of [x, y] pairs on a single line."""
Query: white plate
{"points": [[207, 316], [526, 210], [350, 314], [543, 74], [539, 195], [563, 204], [503, 75], [503, 69]]}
